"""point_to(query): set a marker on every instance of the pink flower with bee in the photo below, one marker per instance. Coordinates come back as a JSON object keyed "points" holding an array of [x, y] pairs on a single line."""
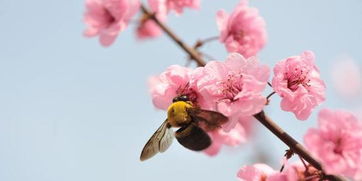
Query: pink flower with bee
{"points": [[173, 82], [233, 87], [236, 136]]}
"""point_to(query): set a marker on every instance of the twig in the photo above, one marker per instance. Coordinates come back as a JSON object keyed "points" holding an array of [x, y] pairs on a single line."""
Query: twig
{"points": [[192, 52], [288, 154], [288, 140], [293, 144], [267, 98], [305, 165], [200, 43], [261, 117]]}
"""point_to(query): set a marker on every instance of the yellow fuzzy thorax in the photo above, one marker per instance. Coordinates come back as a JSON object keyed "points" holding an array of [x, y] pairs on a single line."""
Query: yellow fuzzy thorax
{"points": [[177, 114]]}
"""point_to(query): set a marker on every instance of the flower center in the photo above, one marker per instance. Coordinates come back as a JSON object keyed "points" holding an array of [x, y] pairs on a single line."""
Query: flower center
{"points": [[338, 147], [297, 77], [238, 35], [108, 17], [263, 177], [231, 86]]}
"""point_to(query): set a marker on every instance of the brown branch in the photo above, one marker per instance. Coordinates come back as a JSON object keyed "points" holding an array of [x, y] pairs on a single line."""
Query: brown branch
{"points": [[261, 117], [200, 43], [293, 144], [271, 94], [288, 140], [194, 55]]}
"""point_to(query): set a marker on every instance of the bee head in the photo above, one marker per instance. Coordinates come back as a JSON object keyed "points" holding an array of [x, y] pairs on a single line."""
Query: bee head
{"points": [[181, 98]]}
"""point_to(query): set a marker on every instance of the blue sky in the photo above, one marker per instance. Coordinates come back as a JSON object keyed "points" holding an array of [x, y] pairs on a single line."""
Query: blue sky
{"points": [[72, 110]]}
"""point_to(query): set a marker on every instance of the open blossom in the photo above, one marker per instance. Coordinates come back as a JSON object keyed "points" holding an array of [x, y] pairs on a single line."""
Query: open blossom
{"points": [[337, 142], [178, 80], [179, 5], [297, 171], [175, 81], [175, 5], [234, 137], [107, 18], [242, 31], [297, 81], [256, 172], [292, 172], [233, 87], [147, 28]]}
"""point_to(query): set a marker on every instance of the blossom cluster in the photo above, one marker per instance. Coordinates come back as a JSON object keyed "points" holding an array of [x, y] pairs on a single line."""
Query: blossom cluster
{"points": [[235, 87], [292, 172], [107, 18], [337, 143], [242, 31], [232, 87]]}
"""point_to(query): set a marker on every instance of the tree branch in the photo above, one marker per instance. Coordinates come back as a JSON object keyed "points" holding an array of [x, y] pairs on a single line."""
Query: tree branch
{"points": [[261, 117], [293, 145], [288, 140], [194, 55]]}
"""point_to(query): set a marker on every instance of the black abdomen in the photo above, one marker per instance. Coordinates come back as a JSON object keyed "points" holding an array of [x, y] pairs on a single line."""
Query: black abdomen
{"points": [[193, 137]]}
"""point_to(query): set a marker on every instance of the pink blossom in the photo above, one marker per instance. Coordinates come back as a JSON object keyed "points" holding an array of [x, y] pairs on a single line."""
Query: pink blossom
{"points": [[234, 137], [178, 80], [147, 27], [297, 81], [233, 87], [293, 172], [337, 142], [107, 18], [175, 5], [256, 172], [179, 5], [175, 81], [242, 31], [347, 77], [297, 171]]}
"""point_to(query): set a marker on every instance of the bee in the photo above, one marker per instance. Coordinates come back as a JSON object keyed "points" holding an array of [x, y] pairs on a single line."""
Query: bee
{"points": [[192, 122]]}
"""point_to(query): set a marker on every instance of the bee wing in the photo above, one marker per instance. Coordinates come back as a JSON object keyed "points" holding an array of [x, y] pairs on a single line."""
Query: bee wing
{"points": [[166, 140], [159, 141], [193, 137], [211, 119]]}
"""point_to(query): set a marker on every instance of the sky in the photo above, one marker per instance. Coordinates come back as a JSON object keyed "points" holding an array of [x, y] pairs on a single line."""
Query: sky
{"points": [[73, 110]]}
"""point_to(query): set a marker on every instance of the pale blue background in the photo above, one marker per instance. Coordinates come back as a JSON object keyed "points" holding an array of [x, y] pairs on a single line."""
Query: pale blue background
{"points": [[71, 110]]}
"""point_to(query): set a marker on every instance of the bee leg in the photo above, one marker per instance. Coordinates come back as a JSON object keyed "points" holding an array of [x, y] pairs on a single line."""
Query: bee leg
{"points": [[193, 137]]}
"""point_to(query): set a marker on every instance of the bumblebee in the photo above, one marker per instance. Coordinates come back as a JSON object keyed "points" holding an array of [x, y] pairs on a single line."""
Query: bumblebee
{"points": [[192, 122]]}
